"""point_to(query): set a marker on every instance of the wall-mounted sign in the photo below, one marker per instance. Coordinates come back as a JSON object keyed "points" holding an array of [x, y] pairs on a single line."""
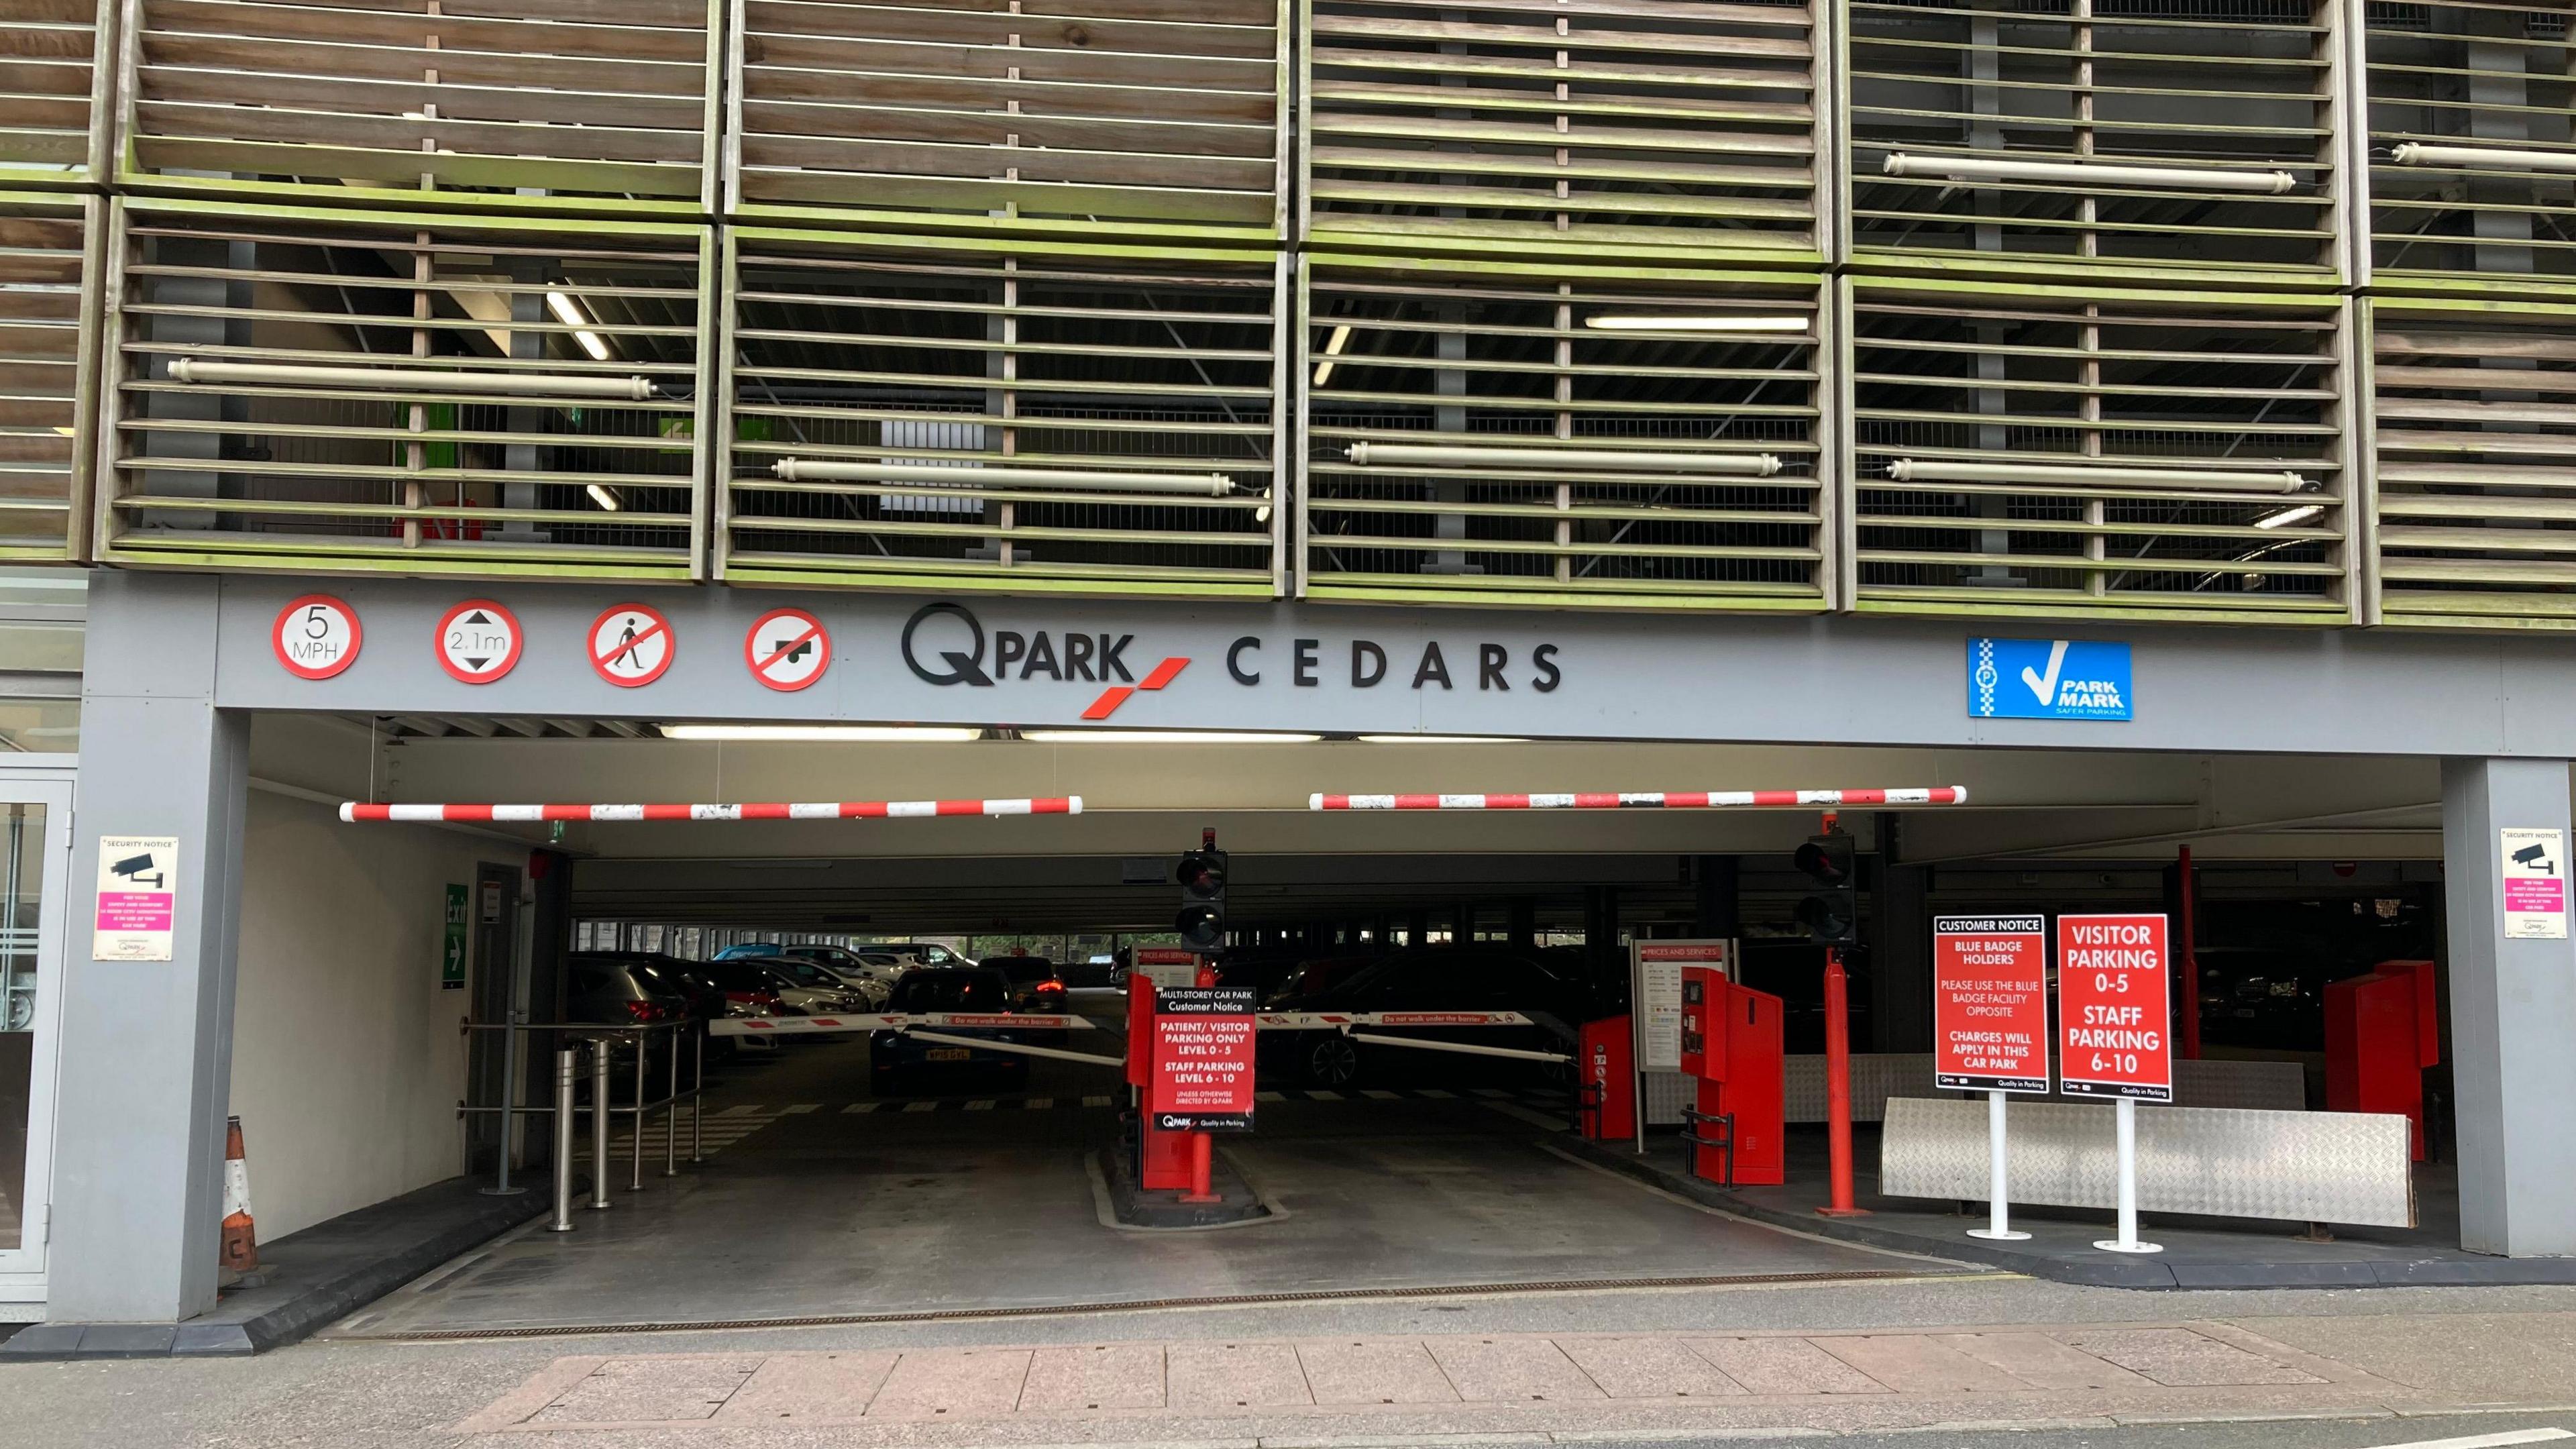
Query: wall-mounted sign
{"points": [[1203, 1060], [316, 637], [479, 641], [2114, 1007], [787, 649], [138, 898], [2535, 884], [2048, 679], [1655, 988], [1990, 1002], [631, 645], [451, 964]]}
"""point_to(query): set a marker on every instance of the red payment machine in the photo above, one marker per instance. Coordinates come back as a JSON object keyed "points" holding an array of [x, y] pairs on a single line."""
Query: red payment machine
{"points": [[1732, 1042], [2382, 1031], [1606, 1079]]}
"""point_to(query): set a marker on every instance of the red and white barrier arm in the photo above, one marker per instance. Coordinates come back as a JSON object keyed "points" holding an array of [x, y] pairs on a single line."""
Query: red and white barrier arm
{"points": [[1650, 800], [355, 811], [892, 1021], [1340, 1020]]}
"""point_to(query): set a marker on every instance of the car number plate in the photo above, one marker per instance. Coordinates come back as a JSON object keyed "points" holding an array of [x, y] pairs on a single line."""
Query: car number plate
{"points": [[947, 1054]]}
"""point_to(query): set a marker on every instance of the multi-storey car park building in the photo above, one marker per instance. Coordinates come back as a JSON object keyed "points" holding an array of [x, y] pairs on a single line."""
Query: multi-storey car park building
{"points": [[1693, 380]]}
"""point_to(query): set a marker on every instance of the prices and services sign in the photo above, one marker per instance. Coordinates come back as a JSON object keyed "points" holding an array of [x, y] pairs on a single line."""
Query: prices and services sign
{"points": [[1655, 987], [1990, 1002], [2114, 1007], [1203, 1059]]}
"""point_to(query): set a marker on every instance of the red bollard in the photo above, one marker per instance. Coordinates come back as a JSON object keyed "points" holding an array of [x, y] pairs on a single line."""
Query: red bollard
{"points": [[1838, 1085], [1202, 1169]]}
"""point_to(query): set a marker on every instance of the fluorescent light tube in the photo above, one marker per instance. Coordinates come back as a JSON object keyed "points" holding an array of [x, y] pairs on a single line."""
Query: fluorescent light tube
{"points": [[1946, 470], [916, 473], [569, 313], [819, 734], [604, 498], [2499, 158], [1166, 737], [1332, 348], [1442, 740], [2288, 516]]}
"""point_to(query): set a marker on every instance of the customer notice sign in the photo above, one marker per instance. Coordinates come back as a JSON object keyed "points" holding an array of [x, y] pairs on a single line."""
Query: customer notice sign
{"points": [[1990, 1003]]}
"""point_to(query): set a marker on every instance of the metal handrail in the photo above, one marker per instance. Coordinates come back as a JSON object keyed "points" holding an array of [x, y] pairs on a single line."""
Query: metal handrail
{"points": [[601, 1034]]}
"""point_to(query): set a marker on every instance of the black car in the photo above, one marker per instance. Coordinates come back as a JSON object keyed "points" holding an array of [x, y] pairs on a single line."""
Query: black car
{"points": [[1036, 984], [602, 990], [1435, 980], [899, 1062]]}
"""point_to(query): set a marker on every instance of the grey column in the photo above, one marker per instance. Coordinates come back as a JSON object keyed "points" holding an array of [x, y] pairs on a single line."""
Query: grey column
{"points": [[147, 1046], [2513, 1007], [1900, 957]]}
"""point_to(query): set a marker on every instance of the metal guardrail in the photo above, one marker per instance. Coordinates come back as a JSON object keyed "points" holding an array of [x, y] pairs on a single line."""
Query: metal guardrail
{"points": [[2317, 1167], [601, 1037]]}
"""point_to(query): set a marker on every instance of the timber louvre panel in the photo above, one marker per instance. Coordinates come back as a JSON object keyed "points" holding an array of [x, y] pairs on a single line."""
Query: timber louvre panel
{"points": [[1514, 359], [1664, 123], [2494, 85], [2117, 384], [2475, 419], [1091, 375], [54, 88], [48, 355], [1012, 115], [2242, 89], [566, 446], [597, 104]]}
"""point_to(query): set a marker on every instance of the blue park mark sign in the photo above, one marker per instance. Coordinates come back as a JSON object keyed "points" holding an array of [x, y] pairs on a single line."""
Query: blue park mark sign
{"points": [[2048, 679]]}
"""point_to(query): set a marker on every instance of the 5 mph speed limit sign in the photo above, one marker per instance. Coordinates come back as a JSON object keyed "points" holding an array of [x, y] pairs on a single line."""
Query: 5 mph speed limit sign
{"points": [[2114, 1008]]}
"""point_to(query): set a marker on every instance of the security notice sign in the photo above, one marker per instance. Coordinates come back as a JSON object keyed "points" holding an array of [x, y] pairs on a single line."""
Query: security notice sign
{"points": [[1655, 984], [1990, 1003], [2535, 884], [138, 895], [2114, 1009], [1202, 1059]]}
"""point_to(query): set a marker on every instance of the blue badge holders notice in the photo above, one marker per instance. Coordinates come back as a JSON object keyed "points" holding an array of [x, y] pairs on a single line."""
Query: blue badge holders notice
{"points": [[2048, 679]]}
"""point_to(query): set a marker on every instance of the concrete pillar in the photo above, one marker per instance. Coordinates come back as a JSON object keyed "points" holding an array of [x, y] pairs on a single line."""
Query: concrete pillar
{"points": [[1717, 903], [1900, 958], [1523, 923], [2513, 1004], [147, 1046]]}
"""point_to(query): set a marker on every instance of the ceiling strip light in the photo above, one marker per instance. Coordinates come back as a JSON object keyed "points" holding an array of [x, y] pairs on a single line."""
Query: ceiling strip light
{"points": [[2498, 158], [1541, 456], [194, 371], [947, 473], [819, 733], [1166, 737], [1937, 470], [1699, 322], [569, 314]]}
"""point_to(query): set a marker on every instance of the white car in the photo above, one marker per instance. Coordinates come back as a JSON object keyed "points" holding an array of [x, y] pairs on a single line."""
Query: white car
{"points": [[870, 975]]}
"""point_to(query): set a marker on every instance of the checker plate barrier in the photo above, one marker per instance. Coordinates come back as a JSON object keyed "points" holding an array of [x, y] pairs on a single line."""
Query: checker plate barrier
{"points": [[2321, 1167]]}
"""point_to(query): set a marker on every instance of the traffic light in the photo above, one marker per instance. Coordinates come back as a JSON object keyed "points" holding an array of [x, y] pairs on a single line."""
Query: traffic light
{"points": [[1832, 913], [1202, 877]]}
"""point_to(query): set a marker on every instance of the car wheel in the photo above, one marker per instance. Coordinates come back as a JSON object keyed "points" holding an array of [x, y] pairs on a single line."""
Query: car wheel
{"points": [[1332, 1060]]}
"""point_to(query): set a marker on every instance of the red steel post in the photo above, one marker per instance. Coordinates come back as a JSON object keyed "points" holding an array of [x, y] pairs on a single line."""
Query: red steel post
{"points": [[1202, 1168], [2186, 961], [1838, 1083]]}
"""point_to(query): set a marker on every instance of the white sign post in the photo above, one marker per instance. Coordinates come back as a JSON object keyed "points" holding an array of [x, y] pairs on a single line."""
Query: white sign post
{"points": [[138, 894], [2535, 884], [1990, 1029], [1655, 1007]]}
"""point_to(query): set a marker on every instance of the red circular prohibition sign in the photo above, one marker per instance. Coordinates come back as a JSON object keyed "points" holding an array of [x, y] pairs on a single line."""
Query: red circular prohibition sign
{"points": [[631, 645], [774, 656], [328, 637]]}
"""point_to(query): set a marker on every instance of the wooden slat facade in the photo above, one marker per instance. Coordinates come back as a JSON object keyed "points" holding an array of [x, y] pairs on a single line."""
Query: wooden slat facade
{"points": [[1516, 358], [1494, 124], [1071, 117], [2117, 384], [2248, 88], [558, 105], [373, 467], [55, 87], [1080, 373], [2495, 83], [2474, 456], [49, 277]]}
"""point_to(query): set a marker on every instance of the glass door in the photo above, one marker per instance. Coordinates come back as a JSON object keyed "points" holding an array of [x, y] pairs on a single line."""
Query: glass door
{"points": [[35, 857]]}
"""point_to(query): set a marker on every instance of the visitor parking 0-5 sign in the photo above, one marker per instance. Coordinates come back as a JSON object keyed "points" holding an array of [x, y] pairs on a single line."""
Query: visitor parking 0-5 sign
{"points": [[2114, 1007], [1990, 1003]]}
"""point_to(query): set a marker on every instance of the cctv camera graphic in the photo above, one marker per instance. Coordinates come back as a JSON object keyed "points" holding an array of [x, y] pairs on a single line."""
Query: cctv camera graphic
{"points": [[2536, 856], [133, 868]]}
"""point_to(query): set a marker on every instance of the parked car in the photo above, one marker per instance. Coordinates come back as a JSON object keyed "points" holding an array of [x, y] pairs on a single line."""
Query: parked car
{"points": [[918, 953], [872, 978], [1036, 985], [899, 1062], [603, 990], [808, 987], [1439, 979]]}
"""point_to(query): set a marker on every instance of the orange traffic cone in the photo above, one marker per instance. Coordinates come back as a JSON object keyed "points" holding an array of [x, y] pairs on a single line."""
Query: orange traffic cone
{"points": [[241, 1243]]}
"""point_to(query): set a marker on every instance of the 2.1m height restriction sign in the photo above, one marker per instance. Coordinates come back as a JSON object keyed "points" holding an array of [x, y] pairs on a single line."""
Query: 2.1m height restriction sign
{"points": [[2114, 1007], [1990, 1003]]}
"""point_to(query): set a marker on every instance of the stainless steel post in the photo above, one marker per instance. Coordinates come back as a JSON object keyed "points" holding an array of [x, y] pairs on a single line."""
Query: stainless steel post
{"points": [[671, 1114], [599, 1122], [566, 1071], [2125, 1130], [698, 1101], [637, 1185], [1998, 1164], [509, 1101]]}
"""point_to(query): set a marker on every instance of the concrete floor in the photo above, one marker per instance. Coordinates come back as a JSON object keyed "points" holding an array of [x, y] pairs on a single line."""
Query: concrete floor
{"points": [[826, 1203]]}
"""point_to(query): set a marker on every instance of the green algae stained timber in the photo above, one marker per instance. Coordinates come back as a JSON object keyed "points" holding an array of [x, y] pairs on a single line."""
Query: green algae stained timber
{"points": [[49, 311], [55, 89]]}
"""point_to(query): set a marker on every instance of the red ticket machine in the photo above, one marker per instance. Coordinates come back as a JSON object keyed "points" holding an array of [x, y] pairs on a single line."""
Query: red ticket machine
{"points": [[1606, 1080], [1162, 1158], [2382, 1031], [1732, 1042]]}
